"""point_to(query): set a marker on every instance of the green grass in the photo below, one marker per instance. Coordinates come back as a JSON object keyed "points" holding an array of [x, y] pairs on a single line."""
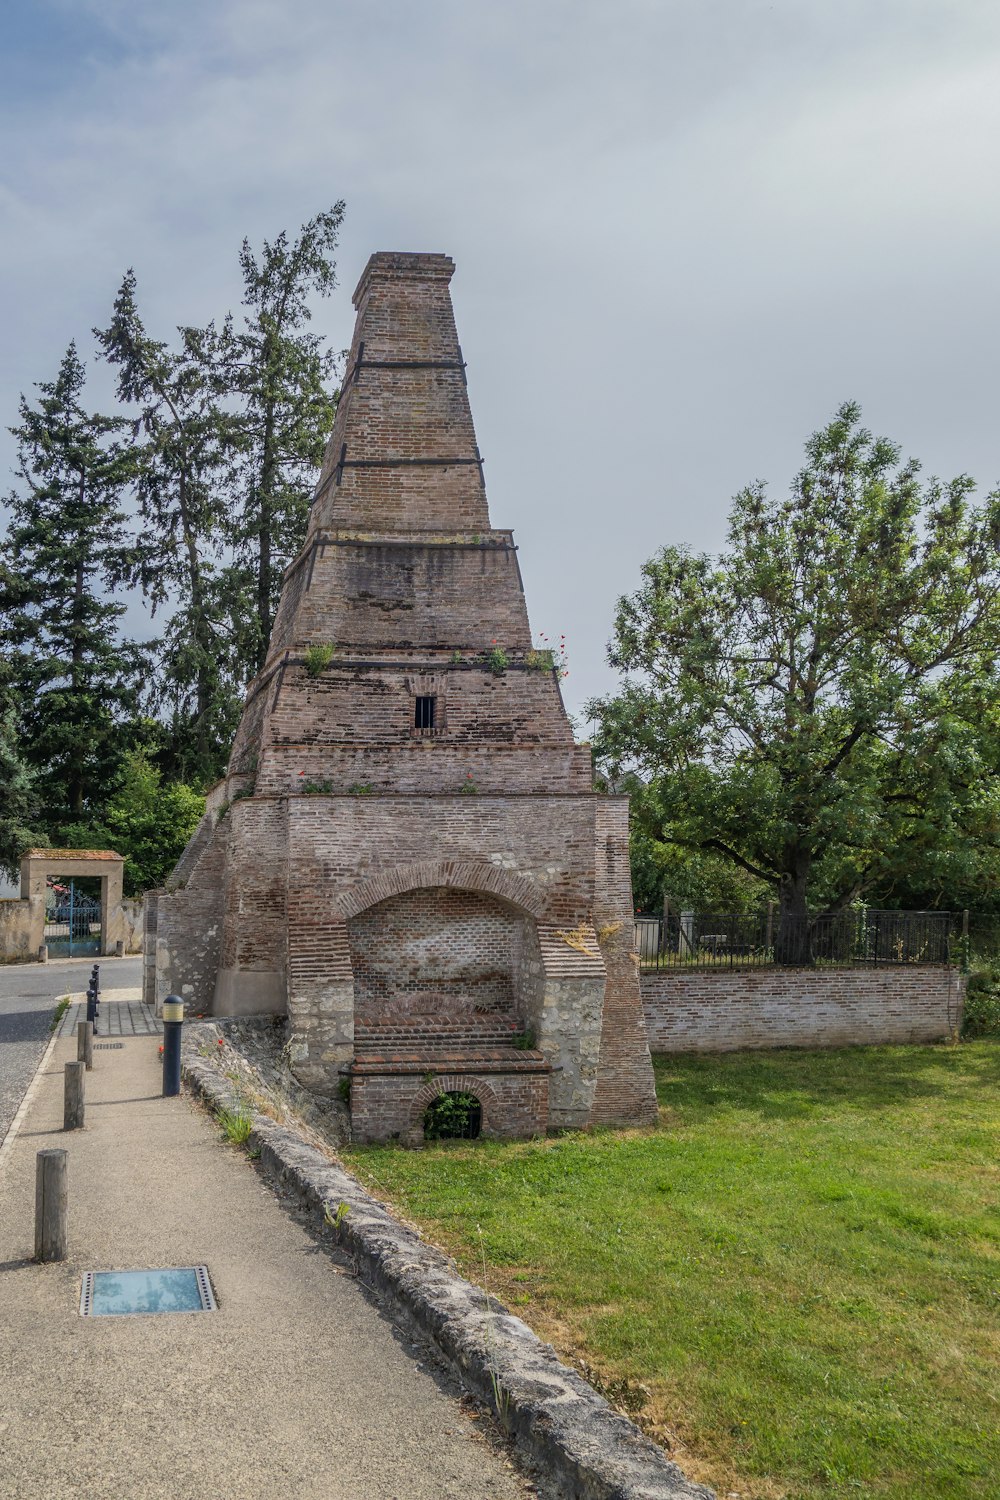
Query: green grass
{"points": [[795, 1278], [237, 1124], [61, 1008]]}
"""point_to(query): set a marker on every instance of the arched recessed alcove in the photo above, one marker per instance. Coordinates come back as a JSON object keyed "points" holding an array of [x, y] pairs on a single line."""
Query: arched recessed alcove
{"points": [[443, 967]]}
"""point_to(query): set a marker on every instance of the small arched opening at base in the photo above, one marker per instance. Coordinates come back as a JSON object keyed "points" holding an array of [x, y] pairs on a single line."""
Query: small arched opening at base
{"points": [[453, 1116]]}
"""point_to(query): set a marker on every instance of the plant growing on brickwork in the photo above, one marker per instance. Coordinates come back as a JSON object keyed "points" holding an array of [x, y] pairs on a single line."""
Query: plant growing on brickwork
{"points": [[819, 705], [457, 658], [344, 1090], [546, 658], [497, 660], [317, 788], [524, 1041], [468, 787], [360, 789], [317, 658]]}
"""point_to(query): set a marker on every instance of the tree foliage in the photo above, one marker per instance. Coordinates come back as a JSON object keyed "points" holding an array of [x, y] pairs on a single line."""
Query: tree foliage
{"points": [[180, 429], [146, 821], [71, 680], [281, 376], [818, 705]]}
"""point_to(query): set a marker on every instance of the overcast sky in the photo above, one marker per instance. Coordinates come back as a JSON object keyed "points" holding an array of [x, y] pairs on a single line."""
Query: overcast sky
{"points": [[685, 230]]}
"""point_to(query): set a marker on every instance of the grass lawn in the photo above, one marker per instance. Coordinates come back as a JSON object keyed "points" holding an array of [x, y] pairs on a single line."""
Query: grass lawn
{"points": [[794, 1282]]}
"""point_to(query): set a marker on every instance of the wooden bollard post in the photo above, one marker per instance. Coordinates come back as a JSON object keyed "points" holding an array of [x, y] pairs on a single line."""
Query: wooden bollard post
{"points": [[73, 1096], [85, 1043], [50, 1205]]}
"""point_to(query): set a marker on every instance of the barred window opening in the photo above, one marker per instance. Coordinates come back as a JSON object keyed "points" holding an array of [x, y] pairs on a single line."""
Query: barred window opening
{"points": [[424, 712]]}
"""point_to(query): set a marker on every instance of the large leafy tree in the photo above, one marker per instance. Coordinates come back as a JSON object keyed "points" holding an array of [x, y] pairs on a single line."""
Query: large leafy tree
{"points": [[144, 819], [183, 435], [280, 375], [70, 678], [819, 704]]}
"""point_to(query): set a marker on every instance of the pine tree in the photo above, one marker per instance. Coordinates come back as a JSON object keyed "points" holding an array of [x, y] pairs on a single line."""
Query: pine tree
{"points": [[281, 377], [184, 437], [72, 679]]}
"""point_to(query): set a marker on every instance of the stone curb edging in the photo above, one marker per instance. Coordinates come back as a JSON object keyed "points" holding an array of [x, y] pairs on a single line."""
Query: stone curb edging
{"points": [[558, 1422]]}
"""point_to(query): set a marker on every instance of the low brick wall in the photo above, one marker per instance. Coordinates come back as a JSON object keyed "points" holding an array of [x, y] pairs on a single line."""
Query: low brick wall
{"points": [[388, 1102], [713, 1010]]}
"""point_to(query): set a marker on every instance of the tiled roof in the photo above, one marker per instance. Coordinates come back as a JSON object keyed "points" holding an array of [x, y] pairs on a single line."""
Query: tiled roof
{"points": [[74, 854]]}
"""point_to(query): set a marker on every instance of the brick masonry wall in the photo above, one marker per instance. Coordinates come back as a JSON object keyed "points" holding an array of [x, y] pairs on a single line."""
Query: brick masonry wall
{"points": [[713, 1011], [625, 1088], [389, 1106], [433, 966]]}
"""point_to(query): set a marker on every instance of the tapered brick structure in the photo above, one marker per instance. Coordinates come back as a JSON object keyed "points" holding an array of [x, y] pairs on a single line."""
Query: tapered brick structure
{"points": [[407, 855]]}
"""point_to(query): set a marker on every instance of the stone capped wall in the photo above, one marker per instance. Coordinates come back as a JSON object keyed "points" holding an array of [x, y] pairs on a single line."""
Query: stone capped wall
{"points": [[713, 1011]]}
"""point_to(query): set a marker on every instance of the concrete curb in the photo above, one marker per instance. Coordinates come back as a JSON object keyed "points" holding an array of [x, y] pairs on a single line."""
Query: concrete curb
{"points": [[557, 1421]]}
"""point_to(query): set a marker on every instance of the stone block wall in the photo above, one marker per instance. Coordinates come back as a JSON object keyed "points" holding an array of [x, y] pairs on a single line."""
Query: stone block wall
{"points": [[723, 1011], [18, 939]]}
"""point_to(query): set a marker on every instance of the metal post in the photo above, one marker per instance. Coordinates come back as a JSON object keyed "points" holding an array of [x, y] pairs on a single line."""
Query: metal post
{"points": [[173, 1023], [73, 1096], [92, 1006], [85, 1043], [769, 944], [50, 1205]]}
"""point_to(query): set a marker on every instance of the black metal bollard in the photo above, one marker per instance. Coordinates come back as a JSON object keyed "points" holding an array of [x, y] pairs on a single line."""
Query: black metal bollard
{"points": [[173, 1024], [92, 1006]]}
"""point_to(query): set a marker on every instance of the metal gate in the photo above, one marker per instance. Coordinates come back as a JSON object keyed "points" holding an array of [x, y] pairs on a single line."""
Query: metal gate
{"points": [[73, 926]]}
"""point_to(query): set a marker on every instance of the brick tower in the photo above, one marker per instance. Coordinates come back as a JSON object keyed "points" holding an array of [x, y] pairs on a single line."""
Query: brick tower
{"points": [[406, 855]]}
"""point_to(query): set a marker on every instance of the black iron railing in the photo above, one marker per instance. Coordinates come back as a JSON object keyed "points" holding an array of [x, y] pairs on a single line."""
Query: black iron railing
{"points": [[866, 938]]}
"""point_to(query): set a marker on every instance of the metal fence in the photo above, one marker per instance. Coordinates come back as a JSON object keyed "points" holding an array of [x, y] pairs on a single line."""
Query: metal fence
{"points": [[867, 939]]}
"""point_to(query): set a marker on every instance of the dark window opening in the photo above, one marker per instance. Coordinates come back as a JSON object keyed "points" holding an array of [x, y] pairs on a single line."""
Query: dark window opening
{"points": [[454, 1116], [424, 714]]}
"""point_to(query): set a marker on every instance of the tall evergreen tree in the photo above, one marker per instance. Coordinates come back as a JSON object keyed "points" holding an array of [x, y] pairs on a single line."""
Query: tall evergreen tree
{"points": [[183, 437], [17, 793], [71, 677], [281, 376]]}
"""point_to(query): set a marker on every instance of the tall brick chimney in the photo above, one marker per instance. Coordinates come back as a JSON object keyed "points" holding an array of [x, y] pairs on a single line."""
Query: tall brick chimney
{"points": [[407, 856]]}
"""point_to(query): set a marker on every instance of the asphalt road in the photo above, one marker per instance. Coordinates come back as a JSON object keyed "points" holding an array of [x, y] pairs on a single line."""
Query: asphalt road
{"points": [[28, 997]]}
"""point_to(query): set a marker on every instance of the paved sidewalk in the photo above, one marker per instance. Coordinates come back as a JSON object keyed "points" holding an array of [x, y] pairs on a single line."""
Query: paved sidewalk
{"points": [[297, 1387], [122, 1013]]}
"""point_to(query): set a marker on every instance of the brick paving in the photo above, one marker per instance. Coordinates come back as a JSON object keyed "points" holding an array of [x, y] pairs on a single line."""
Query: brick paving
{"points": [[122, 1013]]}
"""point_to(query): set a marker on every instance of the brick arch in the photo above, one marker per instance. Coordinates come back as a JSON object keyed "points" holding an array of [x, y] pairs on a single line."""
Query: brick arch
{"points": [[455, 1083], [470, 875]]}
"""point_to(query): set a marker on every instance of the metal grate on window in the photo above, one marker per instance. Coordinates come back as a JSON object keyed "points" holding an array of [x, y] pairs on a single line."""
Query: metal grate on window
{"points": [[423, 717]]}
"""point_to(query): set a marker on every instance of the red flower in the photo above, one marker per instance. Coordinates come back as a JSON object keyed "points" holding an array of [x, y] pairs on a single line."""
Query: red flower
{"points": [[221, 1042]]}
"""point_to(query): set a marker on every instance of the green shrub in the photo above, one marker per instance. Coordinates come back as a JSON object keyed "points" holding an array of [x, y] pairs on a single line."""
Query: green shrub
{"points": [[982, 1004], [497, 661], [452, 1117], [318, 658]]}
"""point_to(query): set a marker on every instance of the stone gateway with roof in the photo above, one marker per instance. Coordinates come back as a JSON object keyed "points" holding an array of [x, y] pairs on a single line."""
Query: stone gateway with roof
{"points": [[407, 856]]}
